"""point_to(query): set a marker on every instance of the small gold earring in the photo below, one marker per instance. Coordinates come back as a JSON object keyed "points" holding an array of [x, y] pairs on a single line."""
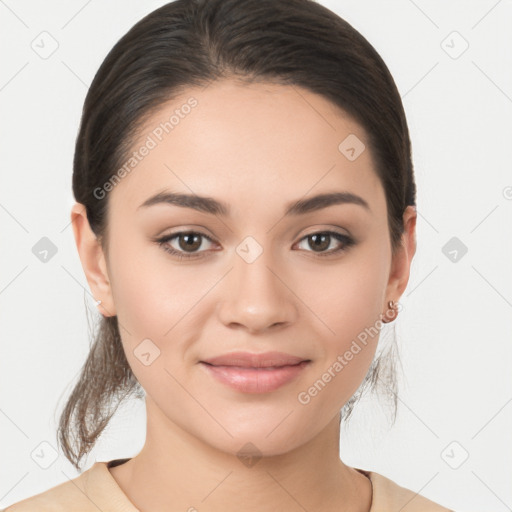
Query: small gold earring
{"points": [[393, 306]]}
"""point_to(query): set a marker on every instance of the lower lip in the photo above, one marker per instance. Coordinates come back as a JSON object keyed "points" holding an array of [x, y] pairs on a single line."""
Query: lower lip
{"points": [[255, 380]]}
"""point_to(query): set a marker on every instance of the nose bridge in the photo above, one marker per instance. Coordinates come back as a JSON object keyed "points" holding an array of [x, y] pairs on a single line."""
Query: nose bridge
{"points": [[257, 298]]}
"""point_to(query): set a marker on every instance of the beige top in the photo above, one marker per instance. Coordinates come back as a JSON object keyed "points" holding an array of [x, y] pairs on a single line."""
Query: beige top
{"points": [[96, 489]]}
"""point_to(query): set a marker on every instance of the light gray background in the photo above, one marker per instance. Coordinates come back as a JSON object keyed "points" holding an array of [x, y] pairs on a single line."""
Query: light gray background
{"points": [[455, 330]]}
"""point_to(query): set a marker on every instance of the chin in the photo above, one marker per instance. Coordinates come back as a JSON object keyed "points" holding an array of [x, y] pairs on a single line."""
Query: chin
{"points": [[267, 440]]}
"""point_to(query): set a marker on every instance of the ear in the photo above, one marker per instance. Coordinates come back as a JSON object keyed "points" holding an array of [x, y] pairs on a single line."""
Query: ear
{"points": [[93, 260], [402, 259]]}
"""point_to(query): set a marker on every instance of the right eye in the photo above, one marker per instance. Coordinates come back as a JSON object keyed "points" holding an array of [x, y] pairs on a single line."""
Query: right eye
{"points": [[188, 244]]}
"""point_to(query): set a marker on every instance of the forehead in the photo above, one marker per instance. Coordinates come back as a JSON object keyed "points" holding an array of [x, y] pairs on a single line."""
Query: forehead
{"points": [[257, 144]]}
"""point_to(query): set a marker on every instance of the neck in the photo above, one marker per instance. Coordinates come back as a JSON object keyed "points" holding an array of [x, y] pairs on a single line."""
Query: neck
{"points": [[177, 471]]}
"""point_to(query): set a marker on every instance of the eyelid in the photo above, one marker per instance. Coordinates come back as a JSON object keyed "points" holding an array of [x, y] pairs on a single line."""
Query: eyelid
{"points": [[175, 234]]}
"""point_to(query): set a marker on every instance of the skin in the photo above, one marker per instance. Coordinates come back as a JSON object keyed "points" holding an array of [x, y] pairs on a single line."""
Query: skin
{"points": [[256, 147]]}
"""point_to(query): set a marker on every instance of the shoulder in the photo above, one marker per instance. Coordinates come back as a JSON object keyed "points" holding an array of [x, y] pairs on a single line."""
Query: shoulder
{"points": [[70, 495], [388, 496]]}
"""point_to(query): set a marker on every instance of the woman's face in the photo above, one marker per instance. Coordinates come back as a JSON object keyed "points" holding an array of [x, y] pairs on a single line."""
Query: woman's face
{"points": [[252, 278]]}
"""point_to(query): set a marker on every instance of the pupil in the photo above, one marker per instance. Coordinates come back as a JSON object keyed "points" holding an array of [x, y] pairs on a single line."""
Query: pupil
{"points": [[191, 241], [320, 238]]}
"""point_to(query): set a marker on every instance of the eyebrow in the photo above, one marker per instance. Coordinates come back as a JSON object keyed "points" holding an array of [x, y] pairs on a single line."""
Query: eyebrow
{"points": [[215, 207]]}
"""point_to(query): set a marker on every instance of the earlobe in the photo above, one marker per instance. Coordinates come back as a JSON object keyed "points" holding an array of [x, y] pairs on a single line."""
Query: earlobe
{"points": [[93, 260]]}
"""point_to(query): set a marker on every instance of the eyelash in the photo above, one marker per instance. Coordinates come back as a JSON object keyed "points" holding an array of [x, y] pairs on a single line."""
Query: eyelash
{"points": [[162, 242]]}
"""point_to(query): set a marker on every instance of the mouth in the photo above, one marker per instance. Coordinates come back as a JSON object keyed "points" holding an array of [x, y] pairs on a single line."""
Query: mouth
{"points": [[255, 373], [262, 368], [270, 360]]}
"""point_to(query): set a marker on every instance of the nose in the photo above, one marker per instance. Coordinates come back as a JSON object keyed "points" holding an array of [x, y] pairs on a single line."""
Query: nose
{"points": [[256, 297]]}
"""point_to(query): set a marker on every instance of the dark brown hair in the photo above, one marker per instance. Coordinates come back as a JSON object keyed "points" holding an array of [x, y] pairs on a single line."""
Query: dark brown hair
{"points": [[189, 43]]}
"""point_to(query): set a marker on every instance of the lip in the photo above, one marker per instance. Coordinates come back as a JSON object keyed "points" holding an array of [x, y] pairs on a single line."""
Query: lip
{"points": [[255, 373], [250, 360]]}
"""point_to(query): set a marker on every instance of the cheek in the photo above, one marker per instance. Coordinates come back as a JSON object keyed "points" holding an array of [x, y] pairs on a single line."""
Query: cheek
{"points": [[348, 298], [159, 308], [351, 311], [151, 292]]}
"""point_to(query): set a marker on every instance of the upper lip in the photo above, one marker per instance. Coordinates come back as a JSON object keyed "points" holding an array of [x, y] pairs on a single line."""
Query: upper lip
{"points": [[249, 360]]}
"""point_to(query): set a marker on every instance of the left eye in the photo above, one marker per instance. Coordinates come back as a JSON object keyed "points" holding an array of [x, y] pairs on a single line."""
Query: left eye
{"points": [[323, 239], [189, 243]]}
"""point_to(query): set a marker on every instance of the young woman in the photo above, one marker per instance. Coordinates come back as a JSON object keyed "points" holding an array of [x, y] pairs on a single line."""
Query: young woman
{"points": [[245, 216]]}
